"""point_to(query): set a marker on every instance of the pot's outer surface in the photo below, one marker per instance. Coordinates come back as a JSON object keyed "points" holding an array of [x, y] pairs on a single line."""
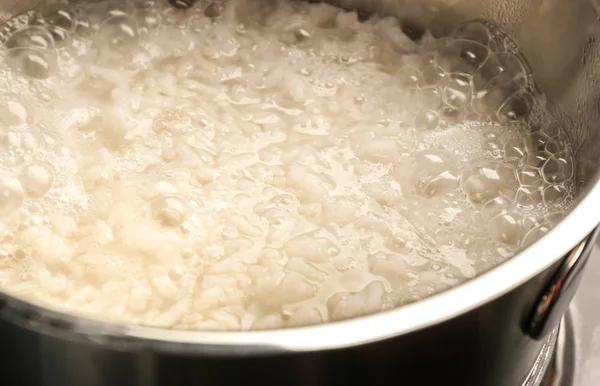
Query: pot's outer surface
{"points": [[474, 335], [484, 347]]}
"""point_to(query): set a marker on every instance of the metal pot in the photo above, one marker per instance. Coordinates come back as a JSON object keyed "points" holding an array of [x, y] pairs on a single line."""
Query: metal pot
{"points": [[487, 332]]}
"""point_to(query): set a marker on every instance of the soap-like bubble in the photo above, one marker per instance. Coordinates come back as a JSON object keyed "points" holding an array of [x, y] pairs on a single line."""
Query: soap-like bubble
{"points": [[487, 182], [529, 176], [516, 108], [555, 194], [432, 172], [462, 56], [33, 37], [506, 228], [428, 120], [116, 38], [11, 194], [457, 90], [410, 77], [64, 19], [12, 111], [432, 72], [535, 234], [497, 205], [501, 69], [37, 179], [34, 64], [558, 169], [477, 31], [514, 149], [528, 196]]}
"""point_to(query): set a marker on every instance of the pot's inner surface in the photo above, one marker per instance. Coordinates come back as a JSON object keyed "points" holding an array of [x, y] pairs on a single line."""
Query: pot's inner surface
{"points": [[262, 164]]}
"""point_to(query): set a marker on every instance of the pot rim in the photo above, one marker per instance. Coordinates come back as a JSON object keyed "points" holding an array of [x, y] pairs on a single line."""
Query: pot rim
{"points": [[352, 332]]}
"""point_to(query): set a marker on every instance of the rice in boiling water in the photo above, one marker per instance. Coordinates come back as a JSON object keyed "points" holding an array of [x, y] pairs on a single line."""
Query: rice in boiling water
{"points": [[252, 165]]}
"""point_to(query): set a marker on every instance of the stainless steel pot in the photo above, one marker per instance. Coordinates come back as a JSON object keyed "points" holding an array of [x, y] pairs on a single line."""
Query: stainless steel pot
{"points": [[486, 332]]}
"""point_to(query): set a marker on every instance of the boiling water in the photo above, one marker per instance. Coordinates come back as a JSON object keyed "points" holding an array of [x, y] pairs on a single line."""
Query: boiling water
{"points": [[260, 164]]}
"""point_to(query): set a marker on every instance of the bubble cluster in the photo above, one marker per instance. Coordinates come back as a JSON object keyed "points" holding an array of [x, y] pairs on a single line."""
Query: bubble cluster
{"points": [[261, 164]]}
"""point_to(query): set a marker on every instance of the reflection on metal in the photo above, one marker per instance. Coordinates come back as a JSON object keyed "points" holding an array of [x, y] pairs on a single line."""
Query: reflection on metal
{"points": [[541, 367], [577, 353], [554, 301], [556, 364], [563, 364]]}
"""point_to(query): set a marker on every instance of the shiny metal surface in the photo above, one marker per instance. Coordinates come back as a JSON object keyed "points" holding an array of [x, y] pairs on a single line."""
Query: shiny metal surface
{"points": [[555, 299], [471, 335], [577, 358], [562, 370], [585, 314], [560, 365], [544, 361]]}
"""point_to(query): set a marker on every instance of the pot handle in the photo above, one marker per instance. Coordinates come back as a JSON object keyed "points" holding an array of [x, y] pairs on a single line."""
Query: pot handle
{"points": [[554, 300]]}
